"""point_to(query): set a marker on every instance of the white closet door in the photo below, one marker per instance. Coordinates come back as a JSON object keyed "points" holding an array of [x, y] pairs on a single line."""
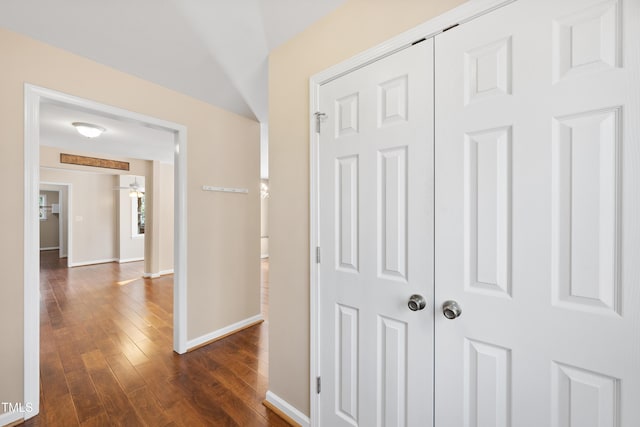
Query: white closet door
{"points": [[376, 235], [538, 216]]}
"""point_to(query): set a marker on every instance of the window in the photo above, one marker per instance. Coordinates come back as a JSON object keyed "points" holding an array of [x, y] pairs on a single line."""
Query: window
{"points": [[42, 201], [137, 215]]}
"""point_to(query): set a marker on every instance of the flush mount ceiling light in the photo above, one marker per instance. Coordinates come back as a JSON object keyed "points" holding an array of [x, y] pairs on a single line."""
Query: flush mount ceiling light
{"points": [[89, 130]]}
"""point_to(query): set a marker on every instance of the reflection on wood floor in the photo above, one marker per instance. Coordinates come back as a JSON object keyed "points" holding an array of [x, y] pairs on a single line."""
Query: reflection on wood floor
{"points": [[106, 355]]}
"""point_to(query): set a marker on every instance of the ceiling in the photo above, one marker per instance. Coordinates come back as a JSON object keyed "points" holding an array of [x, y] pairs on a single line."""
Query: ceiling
{"points": [[212, 50], [121, 139]]}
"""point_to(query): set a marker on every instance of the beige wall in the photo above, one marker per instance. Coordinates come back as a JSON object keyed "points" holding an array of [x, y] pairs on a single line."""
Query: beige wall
{"points": [[223, 149], [50, 227], [93, 214], [352, 28]]}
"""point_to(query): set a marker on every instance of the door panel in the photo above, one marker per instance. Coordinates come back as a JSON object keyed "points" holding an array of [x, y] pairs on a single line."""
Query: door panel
{"points": [[376, 235], [487, 210], [585, 211], [536, 225], [487, 387]]}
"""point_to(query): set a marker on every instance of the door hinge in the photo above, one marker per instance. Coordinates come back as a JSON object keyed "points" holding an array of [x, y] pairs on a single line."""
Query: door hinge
{"points": [[318, 385], [317, 254], [319, 117]]}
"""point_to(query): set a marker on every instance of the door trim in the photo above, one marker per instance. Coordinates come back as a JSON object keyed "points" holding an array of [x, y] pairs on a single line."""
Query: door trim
{"points": [[434, 26], [33, 96]]}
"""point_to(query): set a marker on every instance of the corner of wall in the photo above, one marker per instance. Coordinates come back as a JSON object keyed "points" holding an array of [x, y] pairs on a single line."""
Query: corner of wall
{"points": [[282, 407]]}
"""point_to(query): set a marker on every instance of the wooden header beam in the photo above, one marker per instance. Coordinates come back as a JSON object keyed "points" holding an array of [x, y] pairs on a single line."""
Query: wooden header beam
{"points": [[72, 159]]}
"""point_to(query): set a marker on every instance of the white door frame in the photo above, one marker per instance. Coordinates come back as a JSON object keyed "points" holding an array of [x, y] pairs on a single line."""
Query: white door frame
{"points": [[458, 15], [33, 96]]}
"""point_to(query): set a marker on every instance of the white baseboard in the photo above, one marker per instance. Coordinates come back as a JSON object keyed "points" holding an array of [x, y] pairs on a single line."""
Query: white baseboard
{"points": [[97, 261], [151, 275], [212, 336], [10, 418], [158, 274], [124, 260], [287, 409], [52, 248]]}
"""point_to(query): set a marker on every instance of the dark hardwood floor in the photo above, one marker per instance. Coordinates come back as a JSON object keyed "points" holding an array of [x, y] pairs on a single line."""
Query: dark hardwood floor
{"points": [[106, 356]]}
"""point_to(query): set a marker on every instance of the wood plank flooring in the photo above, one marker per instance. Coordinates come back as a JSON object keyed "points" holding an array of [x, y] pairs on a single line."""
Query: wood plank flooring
{"points": [[106, 356]]}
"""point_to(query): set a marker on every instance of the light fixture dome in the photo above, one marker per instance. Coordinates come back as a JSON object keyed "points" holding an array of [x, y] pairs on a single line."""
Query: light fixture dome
{"points": [[89, 130]]}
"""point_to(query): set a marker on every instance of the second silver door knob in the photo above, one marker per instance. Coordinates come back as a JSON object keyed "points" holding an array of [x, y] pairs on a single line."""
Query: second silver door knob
{"points": [[451, 309]]}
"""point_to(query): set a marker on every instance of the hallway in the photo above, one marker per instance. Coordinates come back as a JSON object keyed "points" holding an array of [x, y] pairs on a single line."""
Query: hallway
{"points": [[106, 355]]}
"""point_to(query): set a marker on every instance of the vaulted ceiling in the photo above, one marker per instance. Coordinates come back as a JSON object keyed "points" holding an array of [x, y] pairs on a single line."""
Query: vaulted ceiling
{"points": [[212, 50]]}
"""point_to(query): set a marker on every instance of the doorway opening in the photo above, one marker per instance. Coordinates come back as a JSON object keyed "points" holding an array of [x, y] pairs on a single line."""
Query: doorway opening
{"points": [[54, 217], [34, 98]]}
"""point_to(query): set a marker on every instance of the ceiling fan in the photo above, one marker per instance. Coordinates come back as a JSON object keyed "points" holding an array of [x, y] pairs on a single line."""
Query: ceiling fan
{"points": [[135, 190]]}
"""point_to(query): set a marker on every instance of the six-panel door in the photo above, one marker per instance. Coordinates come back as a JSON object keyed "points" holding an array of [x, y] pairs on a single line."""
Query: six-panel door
{"points": [[537, 216], [376, 234]]}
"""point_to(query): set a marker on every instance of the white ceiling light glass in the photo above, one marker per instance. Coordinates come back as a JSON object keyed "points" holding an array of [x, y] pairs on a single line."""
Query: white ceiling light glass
{"points": [[89, 130]]}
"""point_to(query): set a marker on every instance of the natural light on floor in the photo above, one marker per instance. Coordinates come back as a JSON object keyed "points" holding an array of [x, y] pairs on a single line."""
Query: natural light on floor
{"points": [[126, 282]]}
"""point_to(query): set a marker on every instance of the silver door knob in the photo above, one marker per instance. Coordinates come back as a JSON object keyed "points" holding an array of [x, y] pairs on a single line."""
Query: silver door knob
{"points": [[451, 309], [417, 302]]}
